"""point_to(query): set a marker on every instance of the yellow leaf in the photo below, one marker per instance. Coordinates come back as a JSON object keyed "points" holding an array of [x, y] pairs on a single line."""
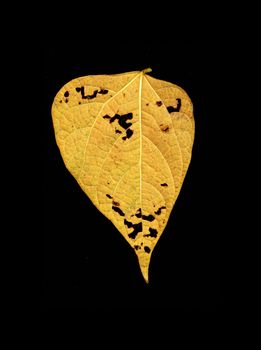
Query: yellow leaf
{"points": [[127, 140]]}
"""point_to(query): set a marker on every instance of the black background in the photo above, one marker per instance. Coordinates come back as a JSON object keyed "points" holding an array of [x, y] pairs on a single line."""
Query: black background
{"points": [[87, 263]]}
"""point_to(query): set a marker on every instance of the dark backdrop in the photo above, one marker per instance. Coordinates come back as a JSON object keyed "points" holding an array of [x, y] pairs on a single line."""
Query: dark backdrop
{"points": [[87, 263]]}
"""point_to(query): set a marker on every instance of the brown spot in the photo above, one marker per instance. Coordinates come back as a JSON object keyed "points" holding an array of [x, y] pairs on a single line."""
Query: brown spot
{"points": [[159, 103], [164, 185], [79, 102], [66, 94], [109, 196], [106, 116], [137, 247], [61, 101], [147, 104], [66, 100], [117, 204], [164, 128], [118, 131], [124, 94]]}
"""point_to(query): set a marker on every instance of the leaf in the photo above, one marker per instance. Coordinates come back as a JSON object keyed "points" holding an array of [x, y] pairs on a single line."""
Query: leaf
{"points": [[127, 140]]}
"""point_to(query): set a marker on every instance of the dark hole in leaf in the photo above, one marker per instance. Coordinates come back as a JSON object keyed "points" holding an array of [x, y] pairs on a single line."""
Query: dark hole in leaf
{"points": [[136, 228], [129, 133], [138, 213], [153, 233], [148, 217], [158, 212], [118, 210], [175, 109], [147, 249], [103, 91], [89, 97]]}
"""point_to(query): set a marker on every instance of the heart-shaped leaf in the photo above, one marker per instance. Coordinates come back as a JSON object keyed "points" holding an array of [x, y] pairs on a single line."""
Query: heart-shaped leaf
{"points": [[127, 140]]}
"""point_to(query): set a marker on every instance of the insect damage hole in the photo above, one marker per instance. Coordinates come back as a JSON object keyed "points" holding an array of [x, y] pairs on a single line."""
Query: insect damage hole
{"points": [[118, 210], [172, 109], [147, 249]]}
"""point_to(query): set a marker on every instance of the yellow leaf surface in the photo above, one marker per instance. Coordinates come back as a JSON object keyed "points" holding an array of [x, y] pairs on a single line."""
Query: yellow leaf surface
{"points": [[127, 139]]}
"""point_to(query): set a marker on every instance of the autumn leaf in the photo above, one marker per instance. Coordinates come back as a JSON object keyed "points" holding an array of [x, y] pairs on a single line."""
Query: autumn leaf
{"points": [[127, 139]]}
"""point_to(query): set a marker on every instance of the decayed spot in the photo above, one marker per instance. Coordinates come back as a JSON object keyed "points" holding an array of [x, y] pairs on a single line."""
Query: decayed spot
{"points": [[175, 109], [118, 210], [124, 146], [158, 212]]}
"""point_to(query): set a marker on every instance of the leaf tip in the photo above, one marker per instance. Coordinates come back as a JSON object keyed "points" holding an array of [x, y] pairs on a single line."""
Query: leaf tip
{"points": [[144, 262], [147, 70]]}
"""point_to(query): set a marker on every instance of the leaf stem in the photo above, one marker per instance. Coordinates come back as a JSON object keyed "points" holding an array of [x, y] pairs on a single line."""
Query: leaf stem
{"points": [[147, 70]]}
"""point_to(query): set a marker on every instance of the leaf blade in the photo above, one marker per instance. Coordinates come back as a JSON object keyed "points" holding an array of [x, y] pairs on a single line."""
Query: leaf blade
{"points": [[127, 140]]}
